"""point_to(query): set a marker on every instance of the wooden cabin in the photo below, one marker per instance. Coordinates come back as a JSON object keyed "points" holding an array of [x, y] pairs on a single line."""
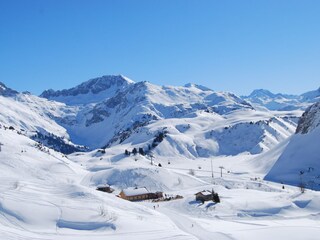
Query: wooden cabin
{"points": [[207, 195], [139, 194], [105, 188]]}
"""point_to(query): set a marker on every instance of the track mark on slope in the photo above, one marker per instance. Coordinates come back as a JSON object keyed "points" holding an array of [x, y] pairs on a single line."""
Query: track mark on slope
{"points": [[184, 223]]}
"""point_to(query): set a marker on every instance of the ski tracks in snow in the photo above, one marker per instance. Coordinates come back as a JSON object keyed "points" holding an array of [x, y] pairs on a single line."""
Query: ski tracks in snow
{"points": [[191, 227]]}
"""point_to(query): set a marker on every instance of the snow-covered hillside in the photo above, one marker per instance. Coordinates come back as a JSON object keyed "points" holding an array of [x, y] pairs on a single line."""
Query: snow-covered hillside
{"points": [[31, 113], [209, 134], [42, 197], [37, 118], [299, 164]]}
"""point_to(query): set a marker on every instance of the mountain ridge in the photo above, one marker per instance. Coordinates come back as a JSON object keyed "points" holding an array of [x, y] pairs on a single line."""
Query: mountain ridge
{"points": [[7, 92], [93, 90]]}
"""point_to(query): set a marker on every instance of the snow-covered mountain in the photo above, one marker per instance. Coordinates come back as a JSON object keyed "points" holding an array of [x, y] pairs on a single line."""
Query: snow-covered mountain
{"points": [[146, 109], [282, 102], [112, 106], [112, 110], [299, 163], [142, 103]]}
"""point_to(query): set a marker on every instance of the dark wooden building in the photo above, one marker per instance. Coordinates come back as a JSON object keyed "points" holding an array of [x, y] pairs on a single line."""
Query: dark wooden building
{"points": [[207, 195], [105, 188], [139, 194]]}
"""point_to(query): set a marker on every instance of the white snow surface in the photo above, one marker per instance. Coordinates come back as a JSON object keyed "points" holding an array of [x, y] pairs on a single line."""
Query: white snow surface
{"points": [[31, 113], [42, 198], [212, 141], [49, 196]]}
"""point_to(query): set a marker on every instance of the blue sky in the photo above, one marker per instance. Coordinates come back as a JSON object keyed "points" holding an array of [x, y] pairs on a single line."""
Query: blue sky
{"points": [[226, 45]]}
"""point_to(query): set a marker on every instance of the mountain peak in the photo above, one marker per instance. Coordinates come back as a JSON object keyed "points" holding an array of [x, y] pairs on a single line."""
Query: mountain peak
{"points": [[261, 92], [311, 96], [6, 92], [200, 87]]}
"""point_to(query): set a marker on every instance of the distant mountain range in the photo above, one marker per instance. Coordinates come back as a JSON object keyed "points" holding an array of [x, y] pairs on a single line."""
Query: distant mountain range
{"points": [[282, 102]]}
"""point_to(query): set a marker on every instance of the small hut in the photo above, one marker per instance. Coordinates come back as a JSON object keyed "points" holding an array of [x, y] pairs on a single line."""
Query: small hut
{"points": [[105, 188], [207, 195]]}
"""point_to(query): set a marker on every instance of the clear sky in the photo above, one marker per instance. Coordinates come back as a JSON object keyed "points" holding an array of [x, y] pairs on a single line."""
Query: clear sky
{"points": [[226, 45]]}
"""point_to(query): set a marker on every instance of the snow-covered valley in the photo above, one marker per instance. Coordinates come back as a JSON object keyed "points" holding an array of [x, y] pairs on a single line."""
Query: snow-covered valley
{"points": [[55, 154]]}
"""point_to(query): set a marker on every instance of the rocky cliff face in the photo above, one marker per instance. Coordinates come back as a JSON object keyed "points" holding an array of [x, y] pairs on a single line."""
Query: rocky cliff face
{"points": [[310, 119]]}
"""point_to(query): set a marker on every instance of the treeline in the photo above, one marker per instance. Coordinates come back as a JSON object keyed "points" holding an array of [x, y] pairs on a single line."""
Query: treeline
{"points": [[57, 143], [146, 150]]}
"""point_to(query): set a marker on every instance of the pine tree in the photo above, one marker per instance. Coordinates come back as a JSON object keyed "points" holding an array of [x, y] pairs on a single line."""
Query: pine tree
{"points": [[134, 151], [141, 151]]}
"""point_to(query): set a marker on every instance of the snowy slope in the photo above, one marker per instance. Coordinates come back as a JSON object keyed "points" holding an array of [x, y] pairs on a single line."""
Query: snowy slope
{"points": [[42, 198], [31, 113], [209, 134], [299, 163], [38, 118], [46, 196], [249, 207]]}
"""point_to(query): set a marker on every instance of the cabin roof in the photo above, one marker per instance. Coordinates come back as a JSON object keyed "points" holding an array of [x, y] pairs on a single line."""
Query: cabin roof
{"points": [[103, 185], [133, 191], [204, 192]]}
